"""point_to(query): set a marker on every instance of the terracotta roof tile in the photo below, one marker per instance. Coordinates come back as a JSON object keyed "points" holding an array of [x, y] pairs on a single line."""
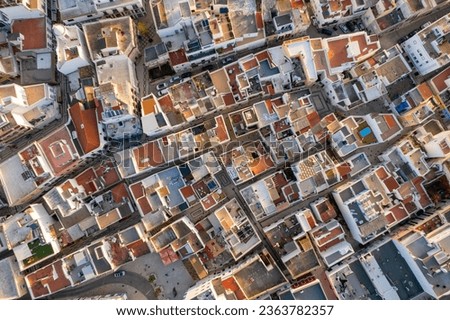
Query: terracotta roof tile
{"points": [[144, 205], [34, 32], [48, 280], [137, 190], [425, 90], [119, 192], [177, 57], [85, 122], [59, 150], [439, 80], [148, 155], [259, 20]]}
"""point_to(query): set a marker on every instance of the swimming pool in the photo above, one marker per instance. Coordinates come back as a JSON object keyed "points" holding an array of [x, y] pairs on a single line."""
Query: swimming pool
{"points": [[365, 132]]}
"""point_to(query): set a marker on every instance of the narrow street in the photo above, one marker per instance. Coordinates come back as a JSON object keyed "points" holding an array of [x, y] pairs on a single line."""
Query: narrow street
{"points": [[147, 86]]}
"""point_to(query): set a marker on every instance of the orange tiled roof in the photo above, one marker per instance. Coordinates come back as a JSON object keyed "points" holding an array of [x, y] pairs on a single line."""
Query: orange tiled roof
{"points": [[399, 212], [438, 80], [390, 121], [111, 176], [148, 105], [250, 64], [177, 57], [144, 205], [48, 279], [229, 99], [259, 20], [119, 192], [34, 32], [391, 184], [148, 155], [59, 150], [187, 191], [137, 190], [138, 248], [221, 130], [425, 90], [85, 179], [337, 53], [297, 4], [85, 122]]}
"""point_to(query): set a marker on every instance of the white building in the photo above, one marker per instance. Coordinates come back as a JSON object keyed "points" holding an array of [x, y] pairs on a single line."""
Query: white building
{"points": [[154, 121], [26, 108], [78, 11], [117, 83], [119, 8], [12, 281], [110, 37], [434, 140], [429, 48], [21, 9], [332, 12], [71, 49], [31, 236]]}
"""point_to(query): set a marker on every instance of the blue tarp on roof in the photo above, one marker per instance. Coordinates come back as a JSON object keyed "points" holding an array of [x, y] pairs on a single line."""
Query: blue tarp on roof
{"points": [[402, 107]]}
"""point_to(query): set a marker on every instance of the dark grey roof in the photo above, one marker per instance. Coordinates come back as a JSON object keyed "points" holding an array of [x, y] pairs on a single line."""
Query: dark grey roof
{"points": [[283, 20], [397, 271], [100, 263], [129, 236], [314, 292]]}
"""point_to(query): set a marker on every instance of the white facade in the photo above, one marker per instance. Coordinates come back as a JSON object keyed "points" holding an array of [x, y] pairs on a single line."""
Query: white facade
{"points": [[12, 282], [71, 48], [439, 145], [427, 49], [117, 8], [31, 106], [23, 10], [333, 12]]}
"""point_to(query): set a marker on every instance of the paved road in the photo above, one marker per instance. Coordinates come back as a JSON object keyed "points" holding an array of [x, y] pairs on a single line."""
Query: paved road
{"points": [[387, 40], [132, 279]]}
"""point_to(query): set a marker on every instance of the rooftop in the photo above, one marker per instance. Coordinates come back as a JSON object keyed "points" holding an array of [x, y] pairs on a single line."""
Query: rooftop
{"points": [[11, 279], [147, 156], [12, 171], [34, 32], [358, 45], [47, 280], [86, 126], [71, 9], [59, 150], [397, 270], [310, 292], [259, 277], [108, 35], [98, 258]]}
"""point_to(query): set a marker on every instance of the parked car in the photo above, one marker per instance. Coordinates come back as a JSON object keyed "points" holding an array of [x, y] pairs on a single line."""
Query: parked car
{"points": [[119, 274], [326, 31], [186, 75], [360, 25], [227, 60], [344, 28], [174, 79], [209, 67], [161, 86], [162, 92], [351, 26]]}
